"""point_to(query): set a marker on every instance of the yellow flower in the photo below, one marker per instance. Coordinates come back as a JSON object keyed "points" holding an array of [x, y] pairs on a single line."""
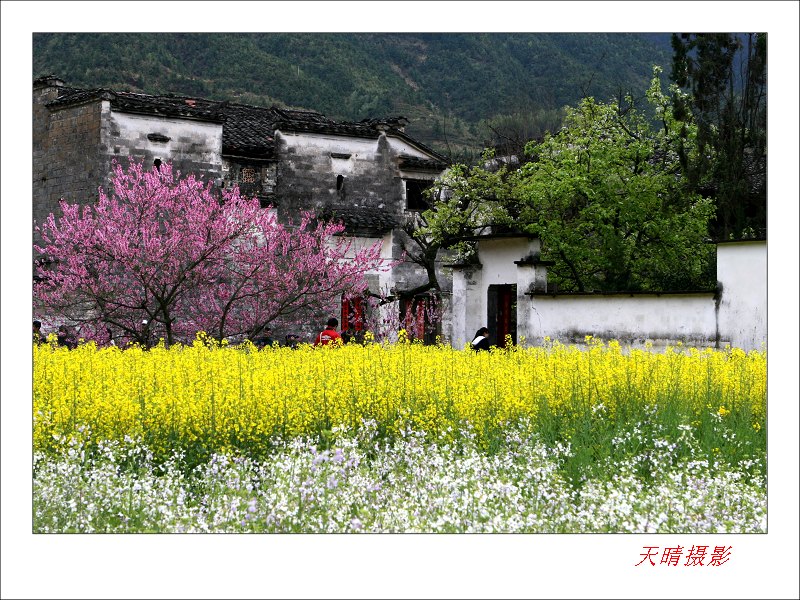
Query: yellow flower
{"points": [[207, 392]]}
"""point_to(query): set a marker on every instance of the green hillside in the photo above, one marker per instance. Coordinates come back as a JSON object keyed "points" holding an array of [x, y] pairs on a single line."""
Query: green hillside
{"points": [[448, 84]]}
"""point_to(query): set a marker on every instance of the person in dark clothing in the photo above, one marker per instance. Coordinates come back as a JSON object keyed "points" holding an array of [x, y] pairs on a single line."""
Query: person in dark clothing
{"points": [[38, 336], [66, 338], [265, 341], [481, 340], [292, 340]]}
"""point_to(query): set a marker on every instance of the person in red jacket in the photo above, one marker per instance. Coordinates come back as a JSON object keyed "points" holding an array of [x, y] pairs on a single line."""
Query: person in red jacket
{"points": [[329, 334]]}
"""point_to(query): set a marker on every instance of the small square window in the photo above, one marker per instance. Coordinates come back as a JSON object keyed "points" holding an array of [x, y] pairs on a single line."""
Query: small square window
{"points": [[248, 175]]}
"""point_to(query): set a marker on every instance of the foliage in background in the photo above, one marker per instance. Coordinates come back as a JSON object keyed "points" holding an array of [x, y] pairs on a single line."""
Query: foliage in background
{"points": [[446, 83], [725, 76], [509, 134], [606, 194]]}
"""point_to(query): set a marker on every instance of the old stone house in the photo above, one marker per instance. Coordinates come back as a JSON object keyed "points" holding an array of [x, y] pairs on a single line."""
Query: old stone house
{"points": [[369, 174]]}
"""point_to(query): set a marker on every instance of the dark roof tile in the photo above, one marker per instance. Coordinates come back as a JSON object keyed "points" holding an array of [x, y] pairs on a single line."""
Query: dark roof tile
{"points": [[248, 130], [168, 105], [422, 164], [362, 219]]}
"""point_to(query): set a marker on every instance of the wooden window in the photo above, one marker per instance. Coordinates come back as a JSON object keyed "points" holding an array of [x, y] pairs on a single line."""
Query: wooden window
{"points": [[248, 175]]}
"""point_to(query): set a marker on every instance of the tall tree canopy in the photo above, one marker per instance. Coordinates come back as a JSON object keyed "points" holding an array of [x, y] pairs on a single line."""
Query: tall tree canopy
{"points": [[606, 194], [726, 77], [608, 199]]}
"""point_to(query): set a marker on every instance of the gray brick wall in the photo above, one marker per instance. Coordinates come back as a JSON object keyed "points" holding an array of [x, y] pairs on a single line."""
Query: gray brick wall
{"points": [[66, 155], [306, 180]]}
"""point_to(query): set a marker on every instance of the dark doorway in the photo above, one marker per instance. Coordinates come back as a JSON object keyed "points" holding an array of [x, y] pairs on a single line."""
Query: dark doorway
{"points": [[415, 194], [418, 316], [502, 314]]}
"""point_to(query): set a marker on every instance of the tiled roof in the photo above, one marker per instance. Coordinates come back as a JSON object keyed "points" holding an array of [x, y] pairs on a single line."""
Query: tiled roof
{"points": [[247, 130], [422, 164], [348, 129], [362, 219], [68, 95], [250, 130], [167, 105], [173, 106], [301, 116]]}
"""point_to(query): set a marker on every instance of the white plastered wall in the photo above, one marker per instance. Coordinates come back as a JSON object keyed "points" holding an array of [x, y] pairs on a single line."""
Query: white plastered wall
{"points": [[742, 273], [735, 316], [197, 141], [633, 320]]}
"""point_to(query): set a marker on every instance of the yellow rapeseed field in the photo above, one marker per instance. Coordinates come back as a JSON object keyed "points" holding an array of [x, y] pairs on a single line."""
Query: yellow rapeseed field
{"points": [[227, 397]]}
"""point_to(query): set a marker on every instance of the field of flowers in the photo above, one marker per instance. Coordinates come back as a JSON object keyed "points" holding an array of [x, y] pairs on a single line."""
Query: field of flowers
{"points": [[399, 438]]}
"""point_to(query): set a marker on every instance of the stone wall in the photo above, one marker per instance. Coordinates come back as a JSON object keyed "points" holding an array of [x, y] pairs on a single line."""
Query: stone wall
{"points": [[191, 146], [66, 154], [318, 172], [73, 148]]}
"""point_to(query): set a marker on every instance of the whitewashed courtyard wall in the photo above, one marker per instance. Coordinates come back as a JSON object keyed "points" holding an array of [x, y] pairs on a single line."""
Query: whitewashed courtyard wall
{"points": [[498, 260], [735, 315], [742, 273], [633, 319]]}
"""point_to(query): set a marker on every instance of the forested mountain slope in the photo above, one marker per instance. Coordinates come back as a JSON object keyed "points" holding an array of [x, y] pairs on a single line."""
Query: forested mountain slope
{"points": [[448, 84]]}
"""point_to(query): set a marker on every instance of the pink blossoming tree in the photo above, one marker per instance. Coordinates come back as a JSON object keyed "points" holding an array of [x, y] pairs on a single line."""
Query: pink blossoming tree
{"points": [[164, 256]]}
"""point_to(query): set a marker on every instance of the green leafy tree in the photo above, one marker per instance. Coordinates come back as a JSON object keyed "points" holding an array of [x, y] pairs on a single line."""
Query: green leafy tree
{"points": [[606, 194], [607, 197], [462, 202]]}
